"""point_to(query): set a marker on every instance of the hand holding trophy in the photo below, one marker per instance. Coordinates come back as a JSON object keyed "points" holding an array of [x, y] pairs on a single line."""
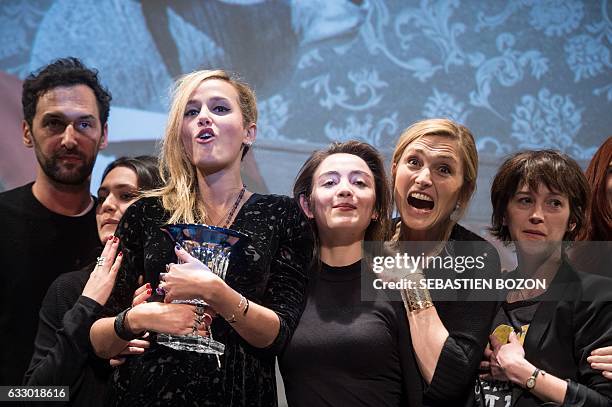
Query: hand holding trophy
{"points": [[205, 258]]}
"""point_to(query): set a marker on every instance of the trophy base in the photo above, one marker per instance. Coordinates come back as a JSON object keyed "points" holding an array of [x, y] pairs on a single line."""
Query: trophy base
{"points": [[192, 343]]}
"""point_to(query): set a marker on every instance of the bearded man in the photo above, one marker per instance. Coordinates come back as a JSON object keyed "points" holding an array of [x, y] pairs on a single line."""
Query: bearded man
{"points": [[48, 226]]}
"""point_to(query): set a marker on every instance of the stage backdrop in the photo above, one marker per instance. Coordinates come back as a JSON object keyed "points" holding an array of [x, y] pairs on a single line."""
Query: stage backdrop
{"points": [[520, 74]]}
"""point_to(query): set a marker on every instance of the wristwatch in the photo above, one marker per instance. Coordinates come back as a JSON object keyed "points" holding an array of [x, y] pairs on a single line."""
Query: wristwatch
{"points": [[531, 381]]}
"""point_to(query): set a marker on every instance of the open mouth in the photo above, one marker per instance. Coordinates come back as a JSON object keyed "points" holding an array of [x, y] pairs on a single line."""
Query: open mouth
{"points": [[420, 201], [205, 134]]}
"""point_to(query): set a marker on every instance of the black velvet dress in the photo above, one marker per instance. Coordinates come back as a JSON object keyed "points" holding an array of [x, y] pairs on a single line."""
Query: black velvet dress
{"points": [[270, 269]]}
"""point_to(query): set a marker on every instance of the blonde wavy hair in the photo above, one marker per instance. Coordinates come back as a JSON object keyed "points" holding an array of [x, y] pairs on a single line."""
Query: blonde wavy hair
{"points": [[469, 159], [180, 195]]}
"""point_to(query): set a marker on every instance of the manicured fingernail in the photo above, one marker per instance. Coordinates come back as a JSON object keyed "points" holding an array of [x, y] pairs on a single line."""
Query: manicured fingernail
{"points": [[120, 254], [111, 237], [148, 285], [115, 239], [149, 291], [177, 246]]}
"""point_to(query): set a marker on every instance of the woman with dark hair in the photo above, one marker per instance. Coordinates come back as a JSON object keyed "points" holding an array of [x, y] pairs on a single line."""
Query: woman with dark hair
{"points": [[211, 126], [434, 168], [542, 336], [347, 351], [62, 351]]}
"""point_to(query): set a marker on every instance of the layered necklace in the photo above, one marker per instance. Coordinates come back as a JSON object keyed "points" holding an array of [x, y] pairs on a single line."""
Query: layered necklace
{"points": [[232, 211]]}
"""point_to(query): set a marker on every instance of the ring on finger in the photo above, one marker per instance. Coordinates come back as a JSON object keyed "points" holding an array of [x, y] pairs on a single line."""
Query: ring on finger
{"points": [[100, 261], [199, 309]]}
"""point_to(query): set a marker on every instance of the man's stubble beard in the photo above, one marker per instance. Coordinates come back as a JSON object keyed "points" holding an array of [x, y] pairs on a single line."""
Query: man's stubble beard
{"points": [[71, 174]]}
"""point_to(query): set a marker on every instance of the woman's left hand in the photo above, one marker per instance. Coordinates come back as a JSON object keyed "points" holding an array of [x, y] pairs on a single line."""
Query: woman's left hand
{"points": [[189, 280]]}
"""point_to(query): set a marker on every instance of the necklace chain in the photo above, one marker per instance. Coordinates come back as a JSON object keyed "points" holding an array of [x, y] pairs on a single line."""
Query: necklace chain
{"points": [[231, 212]]}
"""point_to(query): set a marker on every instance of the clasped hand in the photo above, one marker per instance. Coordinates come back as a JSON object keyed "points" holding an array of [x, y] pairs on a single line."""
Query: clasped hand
{"points": [[191, 279]]}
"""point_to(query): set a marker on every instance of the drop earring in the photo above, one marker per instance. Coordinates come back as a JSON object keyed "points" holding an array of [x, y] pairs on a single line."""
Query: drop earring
{"points": [[455, 213]]}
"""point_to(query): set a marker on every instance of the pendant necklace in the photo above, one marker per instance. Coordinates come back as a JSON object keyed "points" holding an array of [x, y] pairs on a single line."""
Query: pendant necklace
{"points": [[231, 212]]}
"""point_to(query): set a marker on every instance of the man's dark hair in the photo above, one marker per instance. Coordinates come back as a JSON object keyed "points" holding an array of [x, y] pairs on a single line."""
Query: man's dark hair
{"points": [[62, 72]]}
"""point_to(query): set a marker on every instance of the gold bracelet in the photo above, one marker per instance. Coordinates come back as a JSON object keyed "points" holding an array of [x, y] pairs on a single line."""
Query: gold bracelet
{"points": [[416, 299]]}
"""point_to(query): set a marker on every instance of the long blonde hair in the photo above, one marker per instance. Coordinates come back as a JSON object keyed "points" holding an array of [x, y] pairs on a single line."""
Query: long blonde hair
{"points": [[180, 195], [469, 159]]}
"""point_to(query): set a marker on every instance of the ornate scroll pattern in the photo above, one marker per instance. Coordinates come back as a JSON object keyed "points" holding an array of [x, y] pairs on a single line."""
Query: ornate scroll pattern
{"points": [[365, 130], [273, 116], [554, 17], [349, 69], [549, 121], [364, 83], [587, 55], [442, 104], [508, 69]]}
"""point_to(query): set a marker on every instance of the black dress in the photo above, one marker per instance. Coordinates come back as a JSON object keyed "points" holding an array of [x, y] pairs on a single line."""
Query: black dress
{"points": [[270, 269]]}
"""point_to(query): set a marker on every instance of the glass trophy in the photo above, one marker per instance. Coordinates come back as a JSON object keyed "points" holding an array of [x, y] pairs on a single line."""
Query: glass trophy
{"points": [[212, 246]]}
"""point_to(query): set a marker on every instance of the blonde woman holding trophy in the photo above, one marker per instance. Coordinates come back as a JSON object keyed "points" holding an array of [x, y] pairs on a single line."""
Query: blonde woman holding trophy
{"points": [[211, 126]]}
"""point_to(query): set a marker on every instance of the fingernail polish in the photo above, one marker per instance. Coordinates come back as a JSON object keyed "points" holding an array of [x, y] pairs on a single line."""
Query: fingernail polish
{"points": [[115, 239], [120, 254], [177, 246], [111, 237], [149, 291], [148, 285]]}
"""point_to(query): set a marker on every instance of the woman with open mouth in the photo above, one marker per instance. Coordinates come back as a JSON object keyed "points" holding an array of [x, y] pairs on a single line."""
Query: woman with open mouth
{"points": [[434, 169], [211, 125]]}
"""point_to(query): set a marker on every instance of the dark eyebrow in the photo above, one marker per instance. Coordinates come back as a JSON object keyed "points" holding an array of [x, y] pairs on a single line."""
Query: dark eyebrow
{"points": [[60, 115], [351, 173]]}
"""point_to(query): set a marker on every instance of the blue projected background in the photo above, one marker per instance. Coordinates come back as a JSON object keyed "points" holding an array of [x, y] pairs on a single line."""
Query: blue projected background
{"points": [[520, 74]]}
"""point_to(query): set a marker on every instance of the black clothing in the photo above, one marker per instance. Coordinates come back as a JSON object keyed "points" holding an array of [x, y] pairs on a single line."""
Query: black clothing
{"points": [[349, 352], [468, 324], [36, 245], [517, 317], [269, 268], [387, 368], [63, 355], [566, 327]]}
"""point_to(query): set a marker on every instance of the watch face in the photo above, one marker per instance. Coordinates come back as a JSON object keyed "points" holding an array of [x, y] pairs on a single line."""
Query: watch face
{"points": [[530, 383]]}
